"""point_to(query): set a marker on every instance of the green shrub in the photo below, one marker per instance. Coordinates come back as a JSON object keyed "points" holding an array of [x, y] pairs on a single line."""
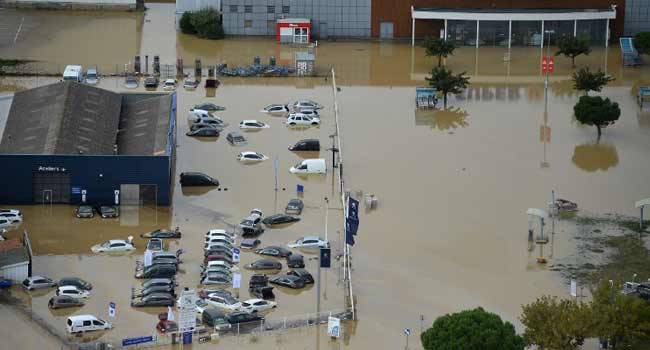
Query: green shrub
{"points": [[207, 23], [642, 43], [186, 23]]}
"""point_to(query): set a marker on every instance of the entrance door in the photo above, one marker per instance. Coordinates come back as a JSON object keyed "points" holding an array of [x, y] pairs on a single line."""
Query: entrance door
{"points": [[386, 30], [51, 187]]}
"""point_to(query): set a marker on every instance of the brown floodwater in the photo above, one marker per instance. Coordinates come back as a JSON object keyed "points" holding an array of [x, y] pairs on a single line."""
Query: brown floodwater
{"points": [[450, 231]]}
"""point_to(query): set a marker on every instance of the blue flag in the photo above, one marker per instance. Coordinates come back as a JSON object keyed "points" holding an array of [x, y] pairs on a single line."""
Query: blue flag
{"points": [[353, 208], [351, 225], [349, 237]]}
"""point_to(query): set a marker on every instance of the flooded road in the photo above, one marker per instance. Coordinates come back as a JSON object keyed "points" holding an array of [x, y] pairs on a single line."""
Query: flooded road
{"points": [[450, 231]]}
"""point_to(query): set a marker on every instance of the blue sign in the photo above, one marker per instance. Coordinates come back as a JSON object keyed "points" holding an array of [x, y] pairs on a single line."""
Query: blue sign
{"points": [[76, 190], [137, 340], [407, 331], [111, 305], [300, 188], [187, 338]]}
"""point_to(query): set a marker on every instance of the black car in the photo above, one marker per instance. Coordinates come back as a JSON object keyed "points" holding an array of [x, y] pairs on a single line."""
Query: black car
{"points": [[295, 261], [212, 317], [108, 211], [243, 317], [274, 251], [277, 219], [85, 211], [204, 132], [265, 264], [308, 145], [63, 301], [294, 206], [251, 231], [290, 281], [75, 281], [236, 138], [156, 299], [163, 233], [302, 273], [167, 289], [249, 243], [151, 82], [197, 179], [158, 282], [210, 107], [157, 271]]}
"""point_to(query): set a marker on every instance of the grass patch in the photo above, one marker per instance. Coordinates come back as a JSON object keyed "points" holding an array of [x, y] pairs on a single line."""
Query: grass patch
{"points": [[12, 62]]}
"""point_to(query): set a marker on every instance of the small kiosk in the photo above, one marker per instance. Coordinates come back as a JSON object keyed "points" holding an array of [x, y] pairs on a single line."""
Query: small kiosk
{"points": [[293, 31]]}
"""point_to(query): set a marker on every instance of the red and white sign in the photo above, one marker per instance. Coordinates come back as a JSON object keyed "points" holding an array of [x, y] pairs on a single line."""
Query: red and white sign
{"points": [[547, 64], [293, 30]]}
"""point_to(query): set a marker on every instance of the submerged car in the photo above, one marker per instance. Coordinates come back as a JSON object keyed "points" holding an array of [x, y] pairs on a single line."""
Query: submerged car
{"points": [[302, 119], [252, 125], [72, 291], [131, 82], [75, 281], [157, 271], [293, 282], [92, 77], [158, 282], [156, 245], [169, 84], [206, 131], [257, 305], [114, 245], [156, 299], [190, 83], [294, 206], [166, 289], [236, 138], [167, 326], [211, 107], [306, 145], [249, 243], [276, 109], [277, 219], [151, 82], [259, 287], [302, 273], [85, 211], [108, 211], [309, 242], [265, 264], [197, 179], [163, 233], [274, 251], [38, 282], [251, 157], [64, 301], [243, 317], [252, 220], [216, 278], [295, 261], [223, 301], [306, 104]]}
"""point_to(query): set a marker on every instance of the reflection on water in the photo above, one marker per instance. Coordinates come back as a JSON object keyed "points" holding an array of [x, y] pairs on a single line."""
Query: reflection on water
{"points": [[563, 88], [442, 119], [643, 116], [595, 156]]}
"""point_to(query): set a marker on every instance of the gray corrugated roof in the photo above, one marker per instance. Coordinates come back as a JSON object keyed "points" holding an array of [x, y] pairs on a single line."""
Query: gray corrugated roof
{"points": [[13, 256], [144, 124]]}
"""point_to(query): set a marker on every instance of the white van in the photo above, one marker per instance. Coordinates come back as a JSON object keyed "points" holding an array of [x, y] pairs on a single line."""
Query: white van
{"points": [[309, 166], [73, 73], [86, 323]]}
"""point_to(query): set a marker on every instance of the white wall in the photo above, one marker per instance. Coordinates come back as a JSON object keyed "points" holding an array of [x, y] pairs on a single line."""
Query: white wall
{"points": [[17, 272], [99, 2]]}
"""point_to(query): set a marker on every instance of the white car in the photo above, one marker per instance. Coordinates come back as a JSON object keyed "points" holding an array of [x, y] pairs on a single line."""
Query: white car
{"points": [[252, 125], [12, 218], [200, 305], [114, 245], [276, 109], [309, 242], [223, 301], [257, 305], [219, 239], [219, 232], [251, 157], [306, 104], [169, 84], [309, 112], [72, 291], [302, 119]]}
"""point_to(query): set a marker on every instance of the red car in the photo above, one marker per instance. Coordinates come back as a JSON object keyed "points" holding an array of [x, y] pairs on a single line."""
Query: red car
{"points": [[166, 326], [214, 257]]}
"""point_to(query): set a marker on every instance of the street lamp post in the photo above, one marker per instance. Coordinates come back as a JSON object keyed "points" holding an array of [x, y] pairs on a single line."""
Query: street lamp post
{"points": [[548, 49]]}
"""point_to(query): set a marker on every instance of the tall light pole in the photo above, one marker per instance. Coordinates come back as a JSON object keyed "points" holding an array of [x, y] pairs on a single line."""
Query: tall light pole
{"points": [[548, 49]]}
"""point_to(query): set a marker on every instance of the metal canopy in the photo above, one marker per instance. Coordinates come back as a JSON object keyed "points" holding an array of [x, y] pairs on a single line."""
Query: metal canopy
{"points": [[537, 212], [642, 203]]}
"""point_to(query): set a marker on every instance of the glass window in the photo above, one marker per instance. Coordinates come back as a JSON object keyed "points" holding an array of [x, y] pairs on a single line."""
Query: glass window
{"points": [[286, 9], [270, 9], [248, 8], [593, 30], [86, 323], [559, 28], [526, 33], [233, 8], [248, 23], [462, 32], [493, 33]]}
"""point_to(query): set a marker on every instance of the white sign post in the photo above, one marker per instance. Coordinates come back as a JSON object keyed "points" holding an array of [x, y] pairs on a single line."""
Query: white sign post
{"points": [[574, 288], [148, 257], [334, 327], [187, 315]]}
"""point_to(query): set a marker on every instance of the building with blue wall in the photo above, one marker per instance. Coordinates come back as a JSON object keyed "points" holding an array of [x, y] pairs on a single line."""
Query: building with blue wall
{"points": [[73, 143]]}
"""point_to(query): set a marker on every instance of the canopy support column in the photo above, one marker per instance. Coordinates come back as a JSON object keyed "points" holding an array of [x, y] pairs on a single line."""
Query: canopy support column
{"points": [[477, 32]]}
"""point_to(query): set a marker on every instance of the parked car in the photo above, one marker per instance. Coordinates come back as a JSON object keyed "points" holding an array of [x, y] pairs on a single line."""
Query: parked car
{"points": [[201, 305], [156, 299], [64, 301], [190, 83], [92, 77], [295, 261], [220, 232], [216, 269], [310, 166], [75, 281], [157, 271], [174, 257], [302, 273], [114, 245], [131, 82], [309, 112], [243, 317], [249, 243], [203, 293], [309, 242], [108, 211], [156, 245], [306, 104], [163, 233], [169, 84], [211, 107], [253, 219], [220, 239], [197, 179], [265, 264], [207, 119], [292, 282], [252, 125], [253, 231], [167, 326], [218, 250], [12, 218], [306, 145], [302, 119], [258, 285], [220, 263], [212, 317], [151, 82], [294, 207], [216, 279], [12, 211], [223, 301], [168, 289], [217, 243], [236, 138], [206, 131], [5, 283], [275, 251], [158, 282], [85, 211], [72, 291], [217, 257], [278, 219], [251, 157], [86, 323], [276, 109], [257, 305], [38, 282]]}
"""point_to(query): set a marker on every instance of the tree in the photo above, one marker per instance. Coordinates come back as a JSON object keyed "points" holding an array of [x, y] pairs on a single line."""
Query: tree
{"points": [[585, 80], [642, 43], [471, 330], [596, 112], [556, 324], [573, 46], [621, 319], [185, 23], [445, 81], [437, 47], [207, 23]]}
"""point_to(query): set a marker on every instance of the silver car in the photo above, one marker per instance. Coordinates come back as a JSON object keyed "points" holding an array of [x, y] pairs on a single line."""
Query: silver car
{"points": [[38, 282]]}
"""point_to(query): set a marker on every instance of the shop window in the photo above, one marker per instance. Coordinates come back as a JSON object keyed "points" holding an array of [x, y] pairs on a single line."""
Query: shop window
{"points": [[248, 8], [286, 9], [270, 9], [248, 23], [233, 8], [300, 35]]}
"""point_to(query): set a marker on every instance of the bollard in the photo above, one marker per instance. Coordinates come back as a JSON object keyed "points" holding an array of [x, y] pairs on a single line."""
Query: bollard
{"points": [[197, 68], [156, 65], [136, 65], [146, 64], [210, 71], [179, 67]]}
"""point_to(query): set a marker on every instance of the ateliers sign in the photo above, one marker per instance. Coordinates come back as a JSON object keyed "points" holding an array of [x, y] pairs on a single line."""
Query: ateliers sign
{"points": [[52, 169]]}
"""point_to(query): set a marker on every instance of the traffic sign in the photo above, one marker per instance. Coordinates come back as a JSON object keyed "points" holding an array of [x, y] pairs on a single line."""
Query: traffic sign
{"points": [[236, 254], [111, 309], [407, 331], [137, 340], [334, 327], [187, 338]]}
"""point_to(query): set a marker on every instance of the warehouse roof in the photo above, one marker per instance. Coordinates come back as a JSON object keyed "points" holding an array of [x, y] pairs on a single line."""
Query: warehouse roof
{"points": [[12, 252], [71, 118]]}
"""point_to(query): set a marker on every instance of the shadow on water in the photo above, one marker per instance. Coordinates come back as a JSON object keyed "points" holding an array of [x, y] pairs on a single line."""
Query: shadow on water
{"points": [[442, 119], [592, 157]]}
